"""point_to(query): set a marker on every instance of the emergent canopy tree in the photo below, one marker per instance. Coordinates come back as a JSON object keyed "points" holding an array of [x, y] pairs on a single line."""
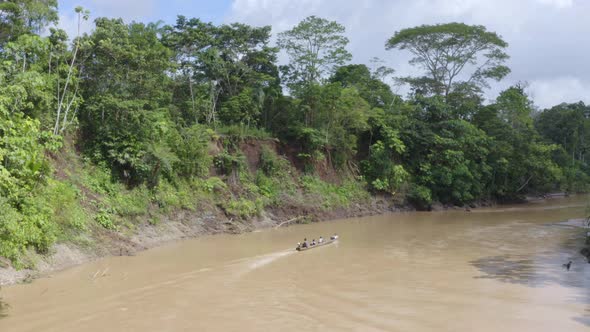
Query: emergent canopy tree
{"points": [[447, 51], [18, 17], [315, 47]]}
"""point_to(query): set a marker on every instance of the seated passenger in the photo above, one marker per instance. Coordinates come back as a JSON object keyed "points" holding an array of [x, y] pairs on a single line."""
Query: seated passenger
{"points": [[334, 237], [313, 242], [321, 240], [304, 245]]}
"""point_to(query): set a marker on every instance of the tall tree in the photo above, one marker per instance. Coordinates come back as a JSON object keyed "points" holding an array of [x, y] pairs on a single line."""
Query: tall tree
{"points": [[19, 17], [125, 83], [452, 54], [515, 107], [315, 47], [569, 126], [244, 66], [63, 103], [229, 68], [195, 94], [370, 87]]}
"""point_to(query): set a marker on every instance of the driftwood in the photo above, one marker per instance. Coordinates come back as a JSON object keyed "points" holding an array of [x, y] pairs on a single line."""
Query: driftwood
{"points": [[524, 185], [100, 274], [288, 221]]}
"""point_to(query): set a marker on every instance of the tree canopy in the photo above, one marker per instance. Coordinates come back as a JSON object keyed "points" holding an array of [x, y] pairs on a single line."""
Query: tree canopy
{"points": [[19, 17], [452, 55], [315, 47]]}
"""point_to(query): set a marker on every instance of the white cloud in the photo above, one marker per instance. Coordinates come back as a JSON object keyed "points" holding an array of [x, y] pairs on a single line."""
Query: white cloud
{"points": [[558, 3], [550, 92], [126, 9], [69, 22], [129, 10], [548, 38]]}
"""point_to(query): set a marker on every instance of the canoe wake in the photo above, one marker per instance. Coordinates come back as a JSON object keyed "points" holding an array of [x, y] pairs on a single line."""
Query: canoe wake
{"points": [[260, 261]]}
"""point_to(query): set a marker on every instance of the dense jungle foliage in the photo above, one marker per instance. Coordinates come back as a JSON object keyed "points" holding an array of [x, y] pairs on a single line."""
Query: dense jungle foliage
{"points": [[144, 103]]}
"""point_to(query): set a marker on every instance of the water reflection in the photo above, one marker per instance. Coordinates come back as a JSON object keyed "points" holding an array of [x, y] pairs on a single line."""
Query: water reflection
{"points": [[544, 268], [506, 268], [3, 309], [584, 319]]}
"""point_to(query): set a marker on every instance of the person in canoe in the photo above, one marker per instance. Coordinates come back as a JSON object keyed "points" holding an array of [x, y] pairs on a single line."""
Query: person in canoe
{"points": [[302, 245], [321, 240], [334, 237], [313, 243]]}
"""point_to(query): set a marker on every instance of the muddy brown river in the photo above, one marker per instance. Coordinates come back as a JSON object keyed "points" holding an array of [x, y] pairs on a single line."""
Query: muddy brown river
{"points": [[497, 269]]}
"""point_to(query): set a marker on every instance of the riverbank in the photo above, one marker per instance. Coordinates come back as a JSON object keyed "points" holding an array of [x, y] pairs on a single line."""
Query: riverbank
{"points": [[95, 215], [187, 224], [178, 226], [488, 264]]}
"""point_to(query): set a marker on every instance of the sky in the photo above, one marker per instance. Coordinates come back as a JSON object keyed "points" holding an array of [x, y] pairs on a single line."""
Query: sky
{"points": [[549, 40]]}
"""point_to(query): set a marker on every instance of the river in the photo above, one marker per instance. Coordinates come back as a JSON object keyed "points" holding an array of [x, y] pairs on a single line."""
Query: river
{"points": [[496, 269]]}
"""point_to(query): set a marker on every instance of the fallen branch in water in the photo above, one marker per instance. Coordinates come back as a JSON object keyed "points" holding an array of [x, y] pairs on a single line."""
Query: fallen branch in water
{"points": [[288, 221], [102, 274]]}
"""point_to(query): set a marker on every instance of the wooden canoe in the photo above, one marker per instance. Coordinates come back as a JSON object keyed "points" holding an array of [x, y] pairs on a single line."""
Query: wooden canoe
{"points": [[325, 243]]}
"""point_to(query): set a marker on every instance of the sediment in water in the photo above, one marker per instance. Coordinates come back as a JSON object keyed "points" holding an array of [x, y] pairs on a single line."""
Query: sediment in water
{"points": [[186, 224], [178, 226]]}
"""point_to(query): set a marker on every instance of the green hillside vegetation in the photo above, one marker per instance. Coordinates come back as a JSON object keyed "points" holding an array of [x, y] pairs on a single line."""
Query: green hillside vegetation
{"points": [[106, 131]]}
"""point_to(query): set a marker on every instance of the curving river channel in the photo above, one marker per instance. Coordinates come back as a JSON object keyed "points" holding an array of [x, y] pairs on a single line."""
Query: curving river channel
{"points": [[497, 269]]}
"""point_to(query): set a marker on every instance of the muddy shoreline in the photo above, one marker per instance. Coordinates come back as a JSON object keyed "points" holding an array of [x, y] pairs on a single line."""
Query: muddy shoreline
{"points": [[177, 226], [182, 225]]}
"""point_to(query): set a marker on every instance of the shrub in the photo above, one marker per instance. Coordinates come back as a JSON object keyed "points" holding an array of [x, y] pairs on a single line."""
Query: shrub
{"points": [[329, 195], [381, 172], [192, 151], [29, 227], [226, 163], [243, 208], [236, 133], [98, 178], [267, 187], [420, 197], [131, 203], [272, 164], [63, 199], [213, 184], [104, 218], [169, 196]]}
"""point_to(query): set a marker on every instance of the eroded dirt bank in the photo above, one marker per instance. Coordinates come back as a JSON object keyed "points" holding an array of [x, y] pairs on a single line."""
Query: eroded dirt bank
{"points": [[186, 224], [178, 226]]}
